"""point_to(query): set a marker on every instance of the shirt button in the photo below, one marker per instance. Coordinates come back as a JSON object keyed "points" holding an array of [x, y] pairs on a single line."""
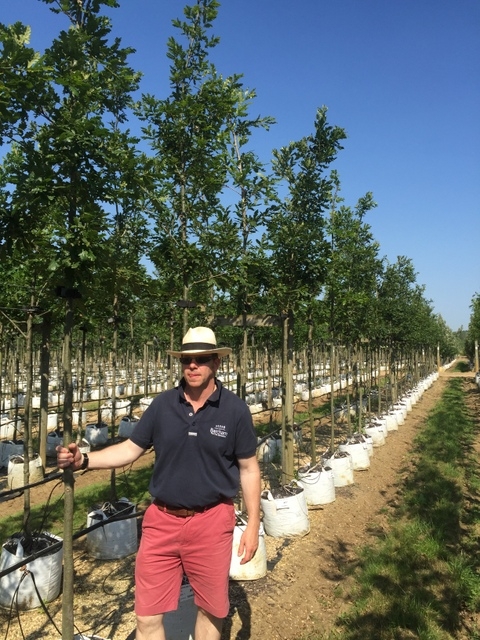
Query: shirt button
{"points": [[190, 414]]}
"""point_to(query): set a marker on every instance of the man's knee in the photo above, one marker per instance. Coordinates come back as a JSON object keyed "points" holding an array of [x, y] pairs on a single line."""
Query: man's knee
{"points": [[149, 627], [208, 626]]}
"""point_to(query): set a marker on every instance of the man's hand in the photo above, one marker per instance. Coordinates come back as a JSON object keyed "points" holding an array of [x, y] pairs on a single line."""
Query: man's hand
{"points": [[70, 456]]}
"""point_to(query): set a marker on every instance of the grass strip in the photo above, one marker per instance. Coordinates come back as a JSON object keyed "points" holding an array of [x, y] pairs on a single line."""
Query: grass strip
{"points": [[421, 580]]}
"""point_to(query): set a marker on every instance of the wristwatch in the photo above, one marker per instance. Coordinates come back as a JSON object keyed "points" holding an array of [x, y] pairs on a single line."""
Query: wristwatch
{"points": [[84, 464]]}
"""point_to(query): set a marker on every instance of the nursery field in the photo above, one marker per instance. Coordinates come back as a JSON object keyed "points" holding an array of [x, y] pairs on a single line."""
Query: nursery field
{"points": [[310, 581]]}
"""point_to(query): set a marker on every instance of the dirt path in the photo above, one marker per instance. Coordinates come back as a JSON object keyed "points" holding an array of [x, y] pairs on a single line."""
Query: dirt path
{"points": [[305, 587]]}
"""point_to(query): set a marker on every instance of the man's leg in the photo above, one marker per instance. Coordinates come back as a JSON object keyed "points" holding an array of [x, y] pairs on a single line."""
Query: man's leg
{"points": [[158, 573], [206, 554], [207, 627], [150, 628]]}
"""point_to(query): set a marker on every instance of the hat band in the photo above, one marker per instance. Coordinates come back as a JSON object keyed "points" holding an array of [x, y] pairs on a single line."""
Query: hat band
{"points": [[205, 346]]}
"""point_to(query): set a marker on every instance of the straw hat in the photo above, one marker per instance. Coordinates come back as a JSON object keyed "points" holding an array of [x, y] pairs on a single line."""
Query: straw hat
{"points": [[200, 340]]}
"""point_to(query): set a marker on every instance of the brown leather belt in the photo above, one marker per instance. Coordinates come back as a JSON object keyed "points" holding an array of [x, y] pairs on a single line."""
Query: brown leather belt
{"points": [[180, 512]]}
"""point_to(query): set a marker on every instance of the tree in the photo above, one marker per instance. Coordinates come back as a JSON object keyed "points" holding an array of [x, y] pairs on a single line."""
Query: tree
{"points": [[23, 83], [446, 340], [407, 326], [354, 270], [473, 336], [395, 297], [297, 242], [61, 165], [232, 238], [188, 136]]}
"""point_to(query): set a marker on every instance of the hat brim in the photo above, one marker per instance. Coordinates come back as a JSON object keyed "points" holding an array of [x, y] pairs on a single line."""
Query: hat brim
{"points": [[220, 351]]}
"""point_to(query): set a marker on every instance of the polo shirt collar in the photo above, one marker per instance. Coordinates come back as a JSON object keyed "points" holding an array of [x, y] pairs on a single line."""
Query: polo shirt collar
{"points": [[213, 399]]}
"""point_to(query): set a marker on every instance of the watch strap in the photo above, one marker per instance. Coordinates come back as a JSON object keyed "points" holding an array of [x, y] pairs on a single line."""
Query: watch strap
{"points": [[85, 461]]}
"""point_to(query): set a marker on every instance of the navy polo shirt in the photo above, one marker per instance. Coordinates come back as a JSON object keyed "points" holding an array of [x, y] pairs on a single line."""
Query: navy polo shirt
{"points": [[196, 454]]}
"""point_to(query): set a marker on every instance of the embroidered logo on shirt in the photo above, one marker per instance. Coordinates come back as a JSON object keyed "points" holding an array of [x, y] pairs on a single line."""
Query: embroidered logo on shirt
{"points": [[219, 430]]}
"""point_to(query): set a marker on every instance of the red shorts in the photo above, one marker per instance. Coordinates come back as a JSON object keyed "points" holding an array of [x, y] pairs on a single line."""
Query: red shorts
{"points": [[199, 546]]}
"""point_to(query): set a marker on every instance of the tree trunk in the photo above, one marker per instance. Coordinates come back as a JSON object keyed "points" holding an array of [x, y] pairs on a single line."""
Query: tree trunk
{"points": [[332, 398], [311, 380], [113, 476], [244, 361], [68, 479], [44, 379], [81, 385], [170, 375], [287, 413], [28, 449]]}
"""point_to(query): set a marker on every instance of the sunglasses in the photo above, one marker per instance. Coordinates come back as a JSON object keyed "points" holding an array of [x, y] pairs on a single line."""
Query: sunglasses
{"points": [[197, 359]]}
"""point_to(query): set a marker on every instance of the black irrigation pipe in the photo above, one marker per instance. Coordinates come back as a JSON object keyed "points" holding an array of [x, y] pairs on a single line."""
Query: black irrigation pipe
{"points": [[307, 420], [299, 424], [58, 545], [269, 435]]}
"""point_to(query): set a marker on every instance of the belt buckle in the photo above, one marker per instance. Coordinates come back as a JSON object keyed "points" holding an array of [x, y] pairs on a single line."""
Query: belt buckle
{"points": [[178, 512], [182, 513]]}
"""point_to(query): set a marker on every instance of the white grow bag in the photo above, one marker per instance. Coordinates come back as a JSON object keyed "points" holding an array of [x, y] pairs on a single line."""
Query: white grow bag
{"points": [[7, 429], [342, 467], [375, 432], [18, 586], [77, 414], [359, 453], [369, 441], [267, 450], [116, 539], [52, 421], [16, 470], [318, 483], [407, 399], [257, 567], [127, 426], [381, 423], [401, 411], [96, 434], [392, 422], [285, 514]]}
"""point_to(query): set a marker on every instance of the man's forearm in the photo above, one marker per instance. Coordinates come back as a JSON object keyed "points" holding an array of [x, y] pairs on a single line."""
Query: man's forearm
{"points": [[117, 455]]}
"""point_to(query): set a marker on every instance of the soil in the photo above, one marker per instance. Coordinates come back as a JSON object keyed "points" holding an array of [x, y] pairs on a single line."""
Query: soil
{"points": [[308, 582]]}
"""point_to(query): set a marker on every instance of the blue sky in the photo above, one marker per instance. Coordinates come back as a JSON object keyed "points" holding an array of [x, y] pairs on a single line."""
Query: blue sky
{"points": [[402, 77]]}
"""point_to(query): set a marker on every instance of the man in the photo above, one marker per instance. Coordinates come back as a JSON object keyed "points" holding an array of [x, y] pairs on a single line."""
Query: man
{"points": [[204, 443]]}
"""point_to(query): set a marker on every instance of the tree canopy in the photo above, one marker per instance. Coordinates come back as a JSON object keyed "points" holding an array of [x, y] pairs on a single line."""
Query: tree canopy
{"points": [[187, 211]]}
